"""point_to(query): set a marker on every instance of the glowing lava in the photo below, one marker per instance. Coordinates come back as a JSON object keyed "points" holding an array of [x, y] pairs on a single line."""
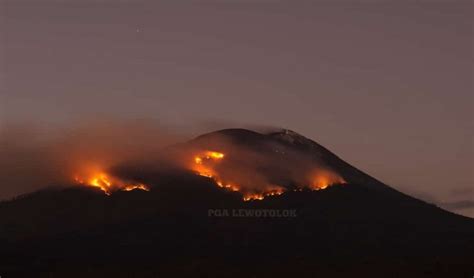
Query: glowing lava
{"points": [[108, 183]]}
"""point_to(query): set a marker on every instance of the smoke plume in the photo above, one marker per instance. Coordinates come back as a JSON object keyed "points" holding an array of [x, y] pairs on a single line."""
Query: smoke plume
{"points": [[33, 157]]}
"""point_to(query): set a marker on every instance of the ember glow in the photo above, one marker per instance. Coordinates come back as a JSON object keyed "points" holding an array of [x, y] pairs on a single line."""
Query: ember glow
{"points": [[323, 178], [206, 156], [233, 172], [108, 183], [203, 164], [261, 196], [206, 164]]}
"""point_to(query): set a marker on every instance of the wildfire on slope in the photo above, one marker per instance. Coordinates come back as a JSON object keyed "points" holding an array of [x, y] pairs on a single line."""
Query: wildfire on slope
{"points": [[108, 183], [233, 172], [206, 164], [321, 179], [261, 196], [201, 164]]}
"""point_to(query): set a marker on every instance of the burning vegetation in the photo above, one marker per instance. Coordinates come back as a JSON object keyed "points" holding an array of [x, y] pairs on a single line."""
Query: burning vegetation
{"points": [[249, 163], [108, 183], [253, 164], [227, 172], [209, 164], [321, 179]]}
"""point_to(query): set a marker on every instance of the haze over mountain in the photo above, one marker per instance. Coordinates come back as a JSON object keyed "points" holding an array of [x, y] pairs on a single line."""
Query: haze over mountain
{"points": [[100, 175], [385, 84], [345, 223]]}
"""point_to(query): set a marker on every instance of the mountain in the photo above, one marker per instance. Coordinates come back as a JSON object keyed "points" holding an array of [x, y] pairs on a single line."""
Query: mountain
{"points": [[187, 225], [288, 139]]}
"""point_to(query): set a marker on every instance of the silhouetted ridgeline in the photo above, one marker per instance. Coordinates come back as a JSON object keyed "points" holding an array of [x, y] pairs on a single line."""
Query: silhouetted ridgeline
{"points": [[362, 227]]}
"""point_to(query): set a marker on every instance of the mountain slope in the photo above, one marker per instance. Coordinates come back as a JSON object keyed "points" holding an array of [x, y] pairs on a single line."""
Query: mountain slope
{"points": [[288, 139], [180, 229]]}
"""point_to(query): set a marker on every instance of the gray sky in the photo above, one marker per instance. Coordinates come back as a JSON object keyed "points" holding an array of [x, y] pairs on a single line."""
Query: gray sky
{"points": [[386, 85]]}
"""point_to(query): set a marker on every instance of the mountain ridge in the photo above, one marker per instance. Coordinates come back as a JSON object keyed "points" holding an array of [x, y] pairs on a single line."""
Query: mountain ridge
{"points": [[345, 229]]}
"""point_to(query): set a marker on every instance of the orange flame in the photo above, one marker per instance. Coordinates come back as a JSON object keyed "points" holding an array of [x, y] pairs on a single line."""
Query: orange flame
{"points": [[136, 186], [261, 196], [205, 162], [201, 162], [324, 178], [108, 183]]}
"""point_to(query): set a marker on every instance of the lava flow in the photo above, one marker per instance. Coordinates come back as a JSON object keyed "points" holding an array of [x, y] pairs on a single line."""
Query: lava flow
{"points": [[108, 183]]}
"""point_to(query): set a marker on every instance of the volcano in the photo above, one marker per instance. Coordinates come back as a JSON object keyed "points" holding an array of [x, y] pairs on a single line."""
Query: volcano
{"points": [[233, 203]]}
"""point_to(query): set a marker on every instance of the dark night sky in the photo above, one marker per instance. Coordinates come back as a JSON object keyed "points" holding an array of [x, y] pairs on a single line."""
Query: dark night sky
{"points": [[386, 85]]}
